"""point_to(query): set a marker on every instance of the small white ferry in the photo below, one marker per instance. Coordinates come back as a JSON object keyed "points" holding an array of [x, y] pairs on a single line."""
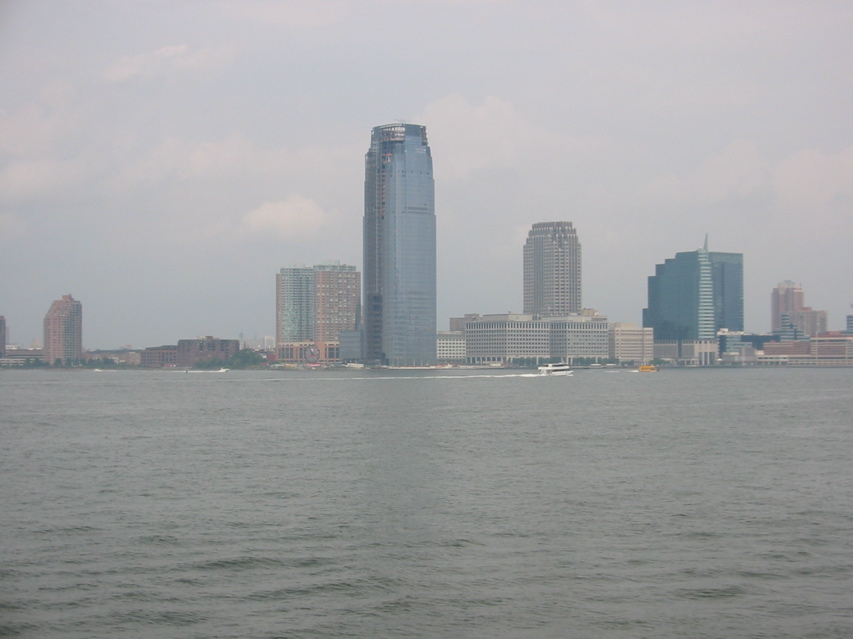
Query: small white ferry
{"points": [[562, 369]]}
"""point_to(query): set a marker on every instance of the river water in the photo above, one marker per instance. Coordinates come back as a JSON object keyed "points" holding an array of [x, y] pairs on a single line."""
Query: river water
{"points": [[687, 503]]}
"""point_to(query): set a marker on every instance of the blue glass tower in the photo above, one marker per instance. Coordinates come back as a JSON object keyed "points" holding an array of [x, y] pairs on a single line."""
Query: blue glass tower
{"points": [[399, 248], [695, 294]]}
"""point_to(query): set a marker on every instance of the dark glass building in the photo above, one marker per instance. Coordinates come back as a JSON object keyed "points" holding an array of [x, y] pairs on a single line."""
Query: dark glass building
{"points": [[727, 280], [694, 295], [399, 248]]}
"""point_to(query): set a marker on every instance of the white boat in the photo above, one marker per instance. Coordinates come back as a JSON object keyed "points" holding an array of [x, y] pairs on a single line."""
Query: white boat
{"points": [[562, 370]]}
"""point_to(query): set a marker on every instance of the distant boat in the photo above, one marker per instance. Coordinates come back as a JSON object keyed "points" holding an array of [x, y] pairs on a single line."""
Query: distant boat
{"points": [[221, 370], [556, 370], [648, 369]]}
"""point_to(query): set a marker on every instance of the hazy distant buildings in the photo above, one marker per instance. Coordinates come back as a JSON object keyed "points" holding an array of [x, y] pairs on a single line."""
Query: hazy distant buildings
{"points": [[786, 298], [2, 336], [552, 270], [790, 317], [399, 248], [694, 295], [159, 356], [63, 331], [191, 352], [832, 349], [313, 307]]}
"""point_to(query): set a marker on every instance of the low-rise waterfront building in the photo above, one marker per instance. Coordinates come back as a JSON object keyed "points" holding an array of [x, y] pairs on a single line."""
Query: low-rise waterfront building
{"points": [[308, 352], [450, 346], [694, 352], [499, 339], [22, 357], [629, 343], [159, 356], [124, 356], [506, 338], [579, 336], [829, 349], [205, 349]]}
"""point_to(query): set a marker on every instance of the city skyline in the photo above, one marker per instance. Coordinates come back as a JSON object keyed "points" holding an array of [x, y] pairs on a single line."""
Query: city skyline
{"points": [[176, 152]]}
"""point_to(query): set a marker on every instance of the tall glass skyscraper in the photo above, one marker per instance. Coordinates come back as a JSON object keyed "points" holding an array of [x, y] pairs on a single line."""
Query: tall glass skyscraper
{"points": [[399, 248], [552, 270], [694, 295]]}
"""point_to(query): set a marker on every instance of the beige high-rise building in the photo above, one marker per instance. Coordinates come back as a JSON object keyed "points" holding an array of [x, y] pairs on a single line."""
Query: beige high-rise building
{"points": [[63, 330], [789, 314], [552, 270], [786, 299]]}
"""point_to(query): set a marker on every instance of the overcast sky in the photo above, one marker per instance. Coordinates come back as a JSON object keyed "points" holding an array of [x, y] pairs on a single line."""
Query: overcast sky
{"points": [[161, 160]]}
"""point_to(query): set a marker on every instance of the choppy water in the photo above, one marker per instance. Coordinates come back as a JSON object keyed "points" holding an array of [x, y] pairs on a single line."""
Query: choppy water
{"points": [[692, 503]]}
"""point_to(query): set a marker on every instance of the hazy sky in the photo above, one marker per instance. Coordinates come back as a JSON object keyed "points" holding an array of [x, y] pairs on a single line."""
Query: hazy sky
{"points": [[161, 160]]}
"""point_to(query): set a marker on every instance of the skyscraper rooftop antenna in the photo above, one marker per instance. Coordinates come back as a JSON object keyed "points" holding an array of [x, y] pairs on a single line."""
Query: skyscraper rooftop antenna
{"points": [[705, 246]]}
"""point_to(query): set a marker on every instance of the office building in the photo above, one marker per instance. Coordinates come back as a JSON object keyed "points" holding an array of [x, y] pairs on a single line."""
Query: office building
{"points": [[584, 335], [629, 343], [63, 331], [506, 338], [727, 284], [503, 338], [694, 295], [2, 336], [552, 270], [450, 346], [314, 305], [399, 248]]}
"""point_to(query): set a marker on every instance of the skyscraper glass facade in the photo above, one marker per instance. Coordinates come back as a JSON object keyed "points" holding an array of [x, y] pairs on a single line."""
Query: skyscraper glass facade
{"points": [[727, 280], [695, 294], [552, 270], [399, 248]]}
